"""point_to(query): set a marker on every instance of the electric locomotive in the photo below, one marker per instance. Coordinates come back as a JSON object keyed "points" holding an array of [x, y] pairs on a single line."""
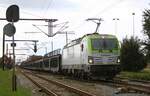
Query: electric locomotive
{"points": [[93, 55]]}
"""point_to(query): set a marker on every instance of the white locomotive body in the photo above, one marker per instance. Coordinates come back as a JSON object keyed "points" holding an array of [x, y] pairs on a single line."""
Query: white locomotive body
{"points": [[92, 55]]}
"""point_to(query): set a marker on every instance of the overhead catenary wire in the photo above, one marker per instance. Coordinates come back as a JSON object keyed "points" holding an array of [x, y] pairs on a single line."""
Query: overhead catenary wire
{"points": [[109, 7], [43, 8], [49, 5], [106, 9]]}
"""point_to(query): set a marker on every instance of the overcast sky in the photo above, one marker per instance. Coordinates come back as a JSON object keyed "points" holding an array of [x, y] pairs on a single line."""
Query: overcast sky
{"points": [[75, 12]]}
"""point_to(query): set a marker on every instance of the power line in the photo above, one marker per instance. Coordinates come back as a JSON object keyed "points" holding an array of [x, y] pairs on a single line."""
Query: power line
{"points": [[28, 13], [49, 4], [45, 8], [104, 10], [109, 7]]}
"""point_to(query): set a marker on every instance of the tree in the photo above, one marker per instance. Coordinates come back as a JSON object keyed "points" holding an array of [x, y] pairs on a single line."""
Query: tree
{"points": [[146, 31], [132, 58]]}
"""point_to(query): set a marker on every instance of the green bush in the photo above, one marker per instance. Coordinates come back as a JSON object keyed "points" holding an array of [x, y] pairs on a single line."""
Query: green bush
{"points": [[142, 75], [132, 59]]}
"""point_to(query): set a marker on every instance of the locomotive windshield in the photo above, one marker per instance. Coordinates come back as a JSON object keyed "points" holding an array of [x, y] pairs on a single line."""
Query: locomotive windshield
{"points": [[104, 44]]}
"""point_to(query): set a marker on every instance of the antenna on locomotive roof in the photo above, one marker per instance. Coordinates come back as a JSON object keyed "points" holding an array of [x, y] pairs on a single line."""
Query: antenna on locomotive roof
{"points": [[97, 21]]}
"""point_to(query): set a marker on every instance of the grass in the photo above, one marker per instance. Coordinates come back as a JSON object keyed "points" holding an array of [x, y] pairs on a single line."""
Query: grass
{"points": [[142, 75], [6, 88]]}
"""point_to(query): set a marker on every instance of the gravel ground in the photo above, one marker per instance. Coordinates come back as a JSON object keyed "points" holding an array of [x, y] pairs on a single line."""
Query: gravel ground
{"points": [[53, 87], [97, 89], [23, 81]]}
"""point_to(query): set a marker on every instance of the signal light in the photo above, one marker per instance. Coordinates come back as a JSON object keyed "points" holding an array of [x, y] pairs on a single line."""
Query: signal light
{"points": [[35, 48]]}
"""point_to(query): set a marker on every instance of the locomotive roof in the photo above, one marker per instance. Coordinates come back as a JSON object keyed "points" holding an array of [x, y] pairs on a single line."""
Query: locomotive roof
{"points": [[92, 35], [97, 35]]}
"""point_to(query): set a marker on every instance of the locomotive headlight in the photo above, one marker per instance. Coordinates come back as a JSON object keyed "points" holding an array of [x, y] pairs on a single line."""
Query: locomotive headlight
{"points": [[90, 60], [118, 60]]}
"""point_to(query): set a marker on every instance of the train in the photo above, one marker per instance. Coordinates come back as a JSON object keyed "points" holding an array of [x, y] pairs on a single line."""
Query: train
{"points": [[91, 56]]}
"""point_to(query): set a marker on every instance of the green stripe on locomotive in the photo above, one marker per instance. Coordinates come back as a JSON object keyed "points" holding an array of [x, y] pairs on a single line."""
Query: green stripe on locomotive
{"points": [[88, 38]]}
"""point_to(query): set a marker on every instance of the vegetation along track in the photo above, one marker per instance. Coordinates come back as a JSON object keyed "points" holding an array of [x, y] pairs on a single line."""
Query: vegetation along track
{"points": [[52, 88]]}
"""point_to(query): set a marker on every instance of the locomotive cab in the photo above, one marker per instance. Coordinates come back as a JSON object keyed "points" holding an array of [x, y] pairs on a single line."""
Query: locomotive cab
{"points": [[101, 54]]}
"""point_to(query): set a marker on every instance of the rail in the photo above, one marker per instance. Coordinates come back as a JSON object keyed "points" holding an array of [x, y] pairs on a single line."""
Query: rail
{"points": [[133, 85], [70, 88], [48, 92]]}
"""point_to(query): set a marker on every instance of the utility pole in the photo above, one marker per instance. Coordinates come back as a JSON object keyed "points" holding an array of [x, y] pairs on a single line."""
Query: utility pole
{"points": [[67, 36], [50, 31], [50, 28], [6, 49], [97, 21], [133, 14], [14, 74], [3, 51], [66, 32], [52, 45], [115, 20]]}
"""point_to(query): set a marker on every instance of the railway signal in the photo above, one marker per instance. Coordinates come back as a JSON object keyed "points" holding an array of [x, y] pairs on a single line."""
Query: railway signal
{"points": [[12, 15], [35, 48], [9, 29]]}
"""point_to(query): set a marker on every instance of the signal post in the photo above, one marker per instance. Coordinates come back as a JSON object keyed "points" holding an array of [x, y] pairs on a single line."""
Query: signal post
{"points": [[12, 15]]}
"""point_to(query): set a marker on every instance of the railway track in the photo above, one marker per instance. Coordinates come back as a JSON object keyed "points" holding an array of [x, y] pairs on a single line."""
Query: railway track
{"points": [[54, 88], [125, 86], [133, 80], [138, 86]]}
